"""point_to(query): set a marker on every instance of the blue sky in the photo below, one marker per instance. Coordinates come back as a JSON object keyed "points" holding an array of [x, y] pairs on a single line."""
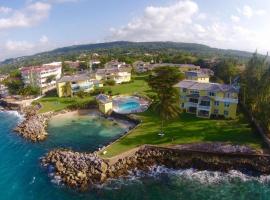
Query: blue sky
{"points": [[31, 26]]}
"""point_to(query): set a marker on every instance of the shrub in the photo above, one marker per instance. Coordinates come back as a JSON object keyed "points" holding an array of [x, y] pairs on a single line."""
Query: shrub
{"points": [[110, 82]]}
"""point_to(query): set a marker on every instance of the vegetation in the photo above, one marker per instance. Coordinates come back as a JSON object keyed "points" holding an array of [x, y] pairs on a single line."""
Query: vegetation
{"points": [[138, 85], [185, 129], [162, 82], [54, 103], [256, 89], [29, 90], [226, 70], [128, 52]]}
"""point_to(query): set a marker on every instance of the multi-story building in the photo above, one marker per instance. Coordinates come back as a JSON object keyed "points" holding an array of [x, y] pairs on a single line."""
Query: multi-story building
{"points": [[198, 76], [119, 75], [3, 88], [44, 76], [70, 85], [208, 99], [115, 64]]}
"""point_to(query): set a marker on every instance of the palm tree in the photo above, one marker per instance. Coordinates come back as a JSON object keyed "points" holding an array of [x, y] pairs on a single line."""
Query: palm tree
{"points": [[162, 82], [66, 88]]}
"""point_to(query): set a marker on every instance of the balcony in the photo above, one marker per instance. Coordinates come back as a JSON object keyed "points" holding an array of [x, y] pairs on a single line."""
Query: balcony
{"points": [[203, 107]]}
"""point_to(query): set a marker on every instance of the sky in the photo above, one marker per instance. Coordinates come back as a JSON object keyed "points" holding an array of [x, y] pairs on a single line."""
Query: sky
{"points": [[32, 26]]}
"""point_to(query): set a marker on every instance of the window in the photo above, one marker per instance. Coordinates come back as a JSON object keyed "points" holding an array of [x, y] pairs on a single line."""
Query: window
{"points": [[226, 113], [216, 111], [183, 105], [227, 104], [216, 103], [212, 94], [227, 95], [194, 92], [184, 89]]}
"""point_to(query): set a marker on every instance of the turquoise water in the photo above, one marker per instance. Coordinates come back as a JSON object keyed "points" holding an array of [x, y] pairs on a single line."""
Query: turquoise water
{"points": [[127, 104], [22, 178]]}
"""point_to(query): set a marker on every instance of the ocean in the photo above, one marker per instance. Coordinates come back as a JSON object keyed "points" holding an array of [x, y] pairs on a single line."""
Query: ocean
{"points": [[22, 177]]}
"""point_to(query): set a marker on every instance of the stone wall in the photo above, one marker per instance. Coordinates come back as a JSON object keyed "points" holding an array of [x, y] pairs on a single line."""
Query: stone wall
{"points": [[81, 170]]}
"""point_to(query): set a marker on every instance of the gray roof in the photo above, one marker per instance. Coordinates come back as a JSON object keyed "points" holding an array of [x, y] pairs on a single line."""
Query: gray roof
{"points": [[74, 78], [175, 65], [215, 87], [198, 74], [103, 98]]}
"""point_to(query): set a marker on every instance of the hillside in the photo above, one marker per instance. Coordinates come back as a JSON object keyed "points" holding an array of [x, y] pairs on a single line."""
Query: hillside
{"points": [[122, 47]]}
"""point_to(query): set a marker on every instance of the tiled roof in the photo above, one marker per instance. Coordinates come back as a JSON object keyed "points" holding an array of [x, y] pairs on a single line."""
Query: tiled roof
{"points": [[215, 87], [198, 74], [74, 78], [103, 98]]}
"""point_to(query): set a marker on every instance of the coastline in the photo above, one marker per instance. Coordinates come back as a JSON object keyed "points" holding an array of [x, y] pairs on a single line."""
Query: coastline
{"points": [[85, 170]]}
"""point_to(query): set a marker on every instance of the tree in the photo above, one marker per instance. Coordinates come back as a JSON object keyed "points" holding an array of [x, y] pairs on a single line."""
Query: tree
{"points": [[255, 90], [29, 90], [50, 78], [226, 70], [66, 89], [162, 82]]}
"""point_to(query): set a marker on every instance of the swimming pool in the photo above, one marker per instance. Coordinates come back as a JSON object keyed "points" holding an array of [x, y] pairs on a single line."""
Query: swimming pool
{"points": [[129, 104]]}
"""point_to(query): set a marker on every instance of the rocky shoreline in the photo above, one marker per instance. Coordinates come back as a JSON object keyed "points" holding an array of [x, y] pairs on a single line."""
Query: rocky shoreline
{"points": [[84, 170], [33, 127]]}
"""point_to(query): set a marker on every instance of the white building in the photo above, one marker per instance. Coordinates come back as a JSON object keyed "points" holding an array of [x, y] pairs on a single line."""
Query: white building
{"points": [[3, 88], [44, 76], [118, 75]]}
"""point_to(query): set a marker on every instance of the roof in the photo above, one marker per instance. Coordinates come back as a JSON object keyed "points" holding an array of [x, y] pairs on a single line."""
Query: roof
{"points": [[215, 87], [74, 78], [112, 70], [176, 65], [40, 68], [198, 74], [103, 98]]}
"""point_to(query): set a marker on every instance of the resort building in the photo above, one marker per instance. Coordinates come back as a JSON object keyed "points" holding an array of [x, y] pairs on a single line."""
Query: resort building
{"points": [[141, 67], [44, 76], [3, 88], [119, 75], [208, 99], [105, 103], [73, 64], [182, 67], [115, 64], [197, 76], [70, 85]]}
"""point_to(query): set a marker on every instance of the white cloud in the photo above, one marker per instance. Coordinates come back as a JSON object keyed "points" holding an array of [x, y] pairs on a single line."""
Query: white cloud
{"points": [[44, 39], [235, 18], [5, 10], [249, 12], [158, 23], [27, 17], [18, 45], [181, 22]]}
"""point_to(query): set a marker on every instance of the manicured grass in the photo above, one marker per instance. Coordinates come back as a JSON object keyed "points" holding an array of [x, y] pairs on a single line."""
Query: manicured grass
{"points": [[186, 129], [54, 103], [138, 85]]}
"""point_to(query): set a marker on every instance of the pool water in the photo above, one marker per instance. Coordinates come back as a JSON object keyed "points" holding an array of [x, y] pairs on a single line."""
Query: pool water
{"points": [[126, 105]]}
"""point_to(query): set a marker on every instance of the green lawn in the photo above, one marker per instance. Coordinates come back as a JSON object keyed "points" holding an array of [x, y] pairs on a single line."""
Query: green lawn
{"points": [[54, 103], [138, 85], [186, 129]]}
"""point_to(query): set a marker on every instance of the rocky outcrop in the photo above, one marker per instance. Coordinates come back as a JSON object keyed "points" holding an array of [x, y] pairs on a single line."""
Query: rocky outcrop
{"points": [[81, 170], [34, 126]]}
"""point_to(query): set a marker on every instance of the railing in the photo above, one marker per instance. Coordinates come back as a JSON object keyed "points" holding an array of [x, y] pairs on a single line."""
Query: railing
{"points": [[200, 107]]}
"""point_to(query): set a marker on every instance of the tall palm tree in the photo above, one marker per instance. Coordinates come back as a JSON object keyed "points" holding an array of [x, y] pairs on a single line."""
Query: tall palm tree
{"points": [[162, 82]]}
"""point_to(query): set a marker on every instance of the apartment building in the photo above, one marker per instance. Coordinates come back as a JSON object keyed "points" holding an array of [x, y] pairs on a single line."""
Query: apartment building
{"points": [[70, 85], [208, 99], [119, 75], [3, 88], [44, 76]]}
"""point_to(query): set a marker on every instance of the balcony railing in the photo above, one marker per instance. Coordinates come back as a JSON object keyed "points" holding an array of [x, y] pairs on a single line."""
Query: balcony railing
{"points": [[201, 107]]}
